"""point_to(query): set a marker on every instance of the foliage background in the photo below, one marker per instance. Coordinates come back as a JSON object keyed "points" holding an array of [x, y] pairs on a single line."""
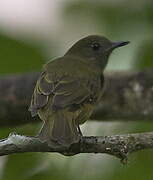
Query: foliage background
{"points": [[32, 32]]}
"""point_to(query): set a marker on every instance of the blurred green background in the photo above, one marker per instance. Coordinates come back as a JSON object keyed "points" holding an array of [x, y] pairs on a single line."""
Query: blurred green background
{"points": [[32, 32]]}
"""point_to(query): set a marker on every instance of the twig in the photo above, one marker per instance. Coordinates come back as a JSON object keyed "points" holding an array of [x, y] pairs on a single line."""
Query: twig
{"points": [[117, 145]]}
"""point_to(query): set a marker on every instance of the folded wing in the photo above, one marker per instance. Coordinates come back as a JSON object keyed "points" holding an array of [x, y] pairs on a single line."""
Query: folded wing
{"points": [[64, 90]]}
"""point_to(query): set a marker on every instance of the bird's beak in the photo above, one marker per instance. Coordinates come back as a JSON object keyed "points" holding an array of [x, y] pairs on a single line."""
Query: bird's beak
{"points": [[119, 44], [116, 45]]}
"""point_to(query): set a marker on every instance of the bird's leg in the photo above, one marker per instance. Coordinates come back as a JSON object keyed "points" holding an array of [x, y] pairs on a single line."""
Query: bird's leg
{"points": [[79, 130]]}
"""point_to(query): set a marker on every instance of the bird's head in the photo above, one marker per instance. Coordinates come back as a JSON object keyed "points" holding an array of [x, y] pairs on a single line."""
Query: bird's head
{"points": [[95, 49]]}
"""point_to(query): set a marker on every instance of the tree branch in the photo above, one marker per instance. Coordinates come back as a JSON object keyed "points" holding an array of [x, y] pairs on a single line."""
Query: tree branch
{"points": [[117, 145], [128, 96]]}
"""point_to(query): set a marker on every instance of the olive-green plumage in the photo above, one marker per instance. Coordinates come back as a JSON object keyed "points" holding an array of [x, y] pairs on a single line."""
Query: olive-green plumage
{"points": [[69, 87]]}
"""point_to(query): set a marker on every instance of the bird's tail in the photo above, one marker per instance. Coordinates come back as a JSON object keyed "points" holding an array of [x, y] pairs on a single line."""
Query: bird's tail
{"points": [[60, 129]]}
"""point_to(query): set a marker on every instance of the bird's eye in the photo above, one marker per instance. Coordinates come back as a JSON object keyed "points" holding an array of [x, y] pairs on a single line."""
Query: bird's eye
{"points": [[95, 46]]}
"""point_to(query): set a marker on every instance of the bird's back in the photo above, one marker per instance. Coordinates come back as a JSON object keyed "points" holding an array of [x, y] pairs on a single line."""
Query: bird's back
{"points": [[72, 66]]}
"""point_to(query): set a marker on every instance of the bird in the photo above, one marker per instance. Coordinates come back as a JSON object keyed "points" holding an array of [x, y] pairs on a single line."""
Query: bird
{"points": [[69, 88]]}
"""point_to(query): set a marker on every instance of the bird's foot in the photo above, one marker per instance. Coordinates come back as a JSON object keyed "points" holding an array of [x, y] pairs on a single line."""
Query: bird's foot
{"points": [[79, 130]]}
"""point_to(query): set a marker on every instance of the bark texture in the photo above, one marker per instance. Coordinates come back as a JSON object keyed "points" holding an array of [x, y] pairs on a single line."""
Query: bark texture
{"points": [[117, 145]]}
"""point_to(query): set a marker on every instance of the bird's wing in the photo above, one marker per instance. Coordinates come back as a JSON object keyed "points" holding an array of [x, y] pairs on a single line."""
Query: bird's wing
{"points": [[40, 95], [69, 92], [64, 89]]}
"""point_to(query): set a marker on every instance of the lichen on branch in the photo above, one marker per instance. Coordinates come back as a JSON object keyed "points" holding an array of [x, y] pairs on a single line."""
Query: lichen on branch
{"points": [[119, 146]]}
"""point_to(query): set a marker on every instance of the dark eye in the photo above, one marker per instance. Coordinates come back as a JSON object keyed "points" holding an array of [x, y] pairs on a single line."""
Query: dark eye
{"points": [[95, 46]]}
